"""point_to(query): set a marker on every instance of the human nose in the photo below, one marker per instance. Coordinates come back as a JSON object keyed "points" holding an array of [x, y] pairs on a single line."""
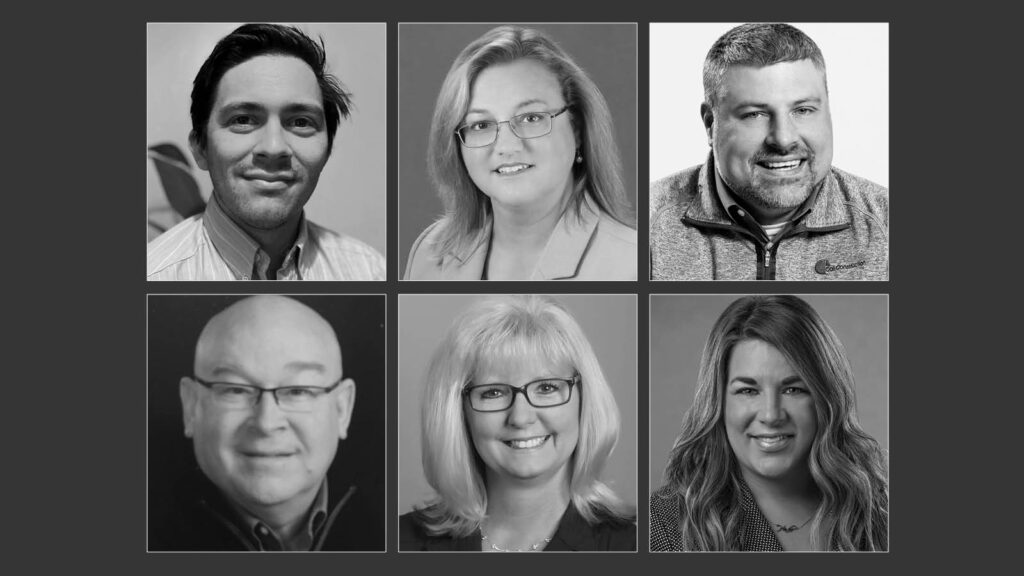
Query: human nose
{"points": [[783, 133], [272, 143], [771, 410], [505, 140], [521, 414], [267, 413]]}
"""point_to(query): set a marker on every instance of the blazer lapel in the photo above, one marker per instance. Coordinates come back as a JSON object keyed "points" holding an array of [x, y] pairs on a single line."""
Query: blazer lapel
{"points": [[567, 245]]}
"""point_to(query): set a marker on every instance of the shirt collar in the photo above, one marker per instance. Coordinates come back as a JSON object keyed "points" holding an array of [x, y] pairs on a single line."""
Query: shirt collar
{"points": [[758, 534], [240, 252], [562, 254], [265, 538]]}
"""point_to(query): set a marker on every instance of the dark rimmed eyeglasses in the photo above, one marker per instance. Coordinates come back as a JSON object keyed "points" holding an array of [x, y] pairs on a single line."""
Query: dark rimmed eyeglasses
{"points": [[245, 396], [527, 125], [543, 393]]}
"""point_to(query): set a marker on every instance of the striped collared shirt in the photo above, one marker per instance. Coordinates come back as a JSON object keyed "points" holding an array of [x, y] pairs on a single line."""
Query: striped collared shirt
{"points": [[209, 246]]}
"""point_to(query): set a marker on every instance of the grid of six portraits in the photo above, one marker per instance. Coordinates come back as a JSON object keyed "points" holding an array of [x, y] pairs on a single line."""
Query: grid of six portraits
{"points": [[518, 404]]}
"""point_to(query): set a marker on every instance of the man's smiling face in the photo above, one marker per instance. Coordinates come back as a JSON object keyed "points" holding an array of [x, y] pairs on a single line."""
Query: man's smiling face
{"points": [[771, 134], [266, 141]]}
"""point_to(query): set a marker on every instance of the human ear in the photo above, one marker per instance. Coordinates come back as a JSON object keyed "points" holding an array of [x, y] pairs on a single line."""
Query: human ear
{"points": [[707, 116], [346, 400], [189, 403], [198, 152]]}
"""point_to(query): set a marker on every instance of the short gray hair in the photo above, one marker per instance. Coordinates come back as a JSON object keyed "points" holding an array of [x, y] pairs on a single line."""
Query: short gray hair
{"points": [[756, 44]]}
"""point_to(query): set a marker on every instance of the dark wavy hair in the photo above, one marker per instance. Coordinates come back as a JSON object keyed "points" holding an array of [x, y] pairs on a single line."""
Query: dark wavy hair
{"points": [[846, 463], [251, 40]]}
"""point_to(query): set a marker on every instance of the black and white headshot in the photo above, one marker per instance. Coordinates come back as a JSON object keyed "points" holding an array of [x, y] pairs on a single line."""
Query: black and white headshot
{"points": [[514, 140], [782, 445], [514, 436], [271, 113], [266, 423], [788, 168]]}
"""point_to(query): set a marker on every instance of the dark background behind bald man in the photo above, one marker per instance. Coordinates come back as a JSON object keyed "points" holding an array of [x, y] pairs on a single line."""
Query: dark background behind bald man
{"points": [[174, 325]]}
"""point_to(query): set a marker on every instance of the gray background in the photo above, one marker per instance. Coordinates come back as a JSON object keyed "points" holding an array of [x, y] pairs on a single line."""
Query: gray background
{"points": [[350, 197], [680, 325], [609, 323], [607, 52]]}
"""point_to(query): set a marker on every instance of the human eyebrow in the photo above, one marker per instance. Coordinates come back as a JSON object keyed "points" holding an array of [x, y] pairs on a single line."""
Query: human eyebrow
{"points": [[302, 108], [235, 107], [229, 370], [518, 106], [302, 366], [530, 102], [747, 380], [744, 105], [804, 101]]}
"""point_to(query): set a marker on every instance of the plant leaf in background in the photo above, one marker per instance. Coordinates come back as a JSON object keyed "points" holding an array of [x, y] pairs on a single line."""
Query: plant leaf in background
{"points": [[179, 184]]}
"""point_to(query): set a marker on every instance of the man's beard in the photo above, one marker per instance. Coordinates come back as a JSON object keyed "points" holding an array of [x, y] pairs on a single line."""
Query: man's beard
{"points": [[774, 193]]}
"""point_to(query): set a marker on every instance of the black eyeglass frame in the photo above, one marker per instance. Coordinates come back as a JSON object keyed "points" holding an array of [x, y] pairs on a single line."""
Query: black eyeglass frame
{"points": [[260, 391], [497, 126], [576, 380]]}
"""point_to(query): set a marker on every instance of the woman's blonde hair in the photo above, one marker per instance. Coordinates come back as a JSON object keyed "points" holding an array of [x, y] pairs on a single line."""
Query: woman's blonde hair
{"points": [[508, 330], [599, 175]]}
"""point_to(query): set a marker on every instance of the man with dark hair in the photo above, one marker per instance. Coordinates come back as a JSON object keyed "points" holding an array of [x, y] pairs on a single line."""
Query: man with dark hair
{"points": [[264, 116], [265, 408], [768, 204]]}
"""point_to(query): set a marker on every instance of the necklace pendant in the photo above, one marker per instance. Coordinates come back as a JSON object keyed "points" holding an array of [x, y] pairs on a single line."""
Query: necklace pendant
{"points": [[787, 529]]}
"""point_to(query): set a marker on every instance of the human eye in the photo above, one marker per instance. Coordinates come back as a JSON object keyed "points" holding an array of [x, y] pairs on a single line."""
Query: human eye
{"points": [[745, 391], [480, 125], [548, 386], [795, 390], [242, 122], [298, 392], [305, 124], [753, 114], [805, 110], [491, 392], [233, 390], [531, 117]]}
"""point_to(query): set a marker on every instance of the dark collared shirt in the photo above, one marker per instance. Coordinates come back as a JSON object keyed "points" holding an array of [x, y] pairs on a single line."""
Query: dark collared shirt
{"points": [[210, 246], [263, 538], [574, 534]]}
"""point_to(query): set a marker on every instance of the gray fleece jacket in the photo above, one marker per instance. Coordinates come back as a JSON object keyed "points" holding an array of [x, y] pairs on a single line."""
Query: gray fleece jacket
{"points": [[842, 233]]}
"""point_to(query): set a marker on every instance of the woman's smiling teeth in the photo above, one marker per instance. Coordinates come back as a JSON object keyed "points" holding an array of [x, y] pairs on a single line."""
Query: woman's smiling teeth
{"points": [[772, 442], [509, 169], [527, 442]]}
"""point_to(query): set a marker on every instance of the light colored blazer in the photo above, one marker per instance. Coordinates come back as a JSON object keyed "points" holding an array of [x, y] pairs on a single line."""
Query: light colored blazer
{"points": [[594, 247]]}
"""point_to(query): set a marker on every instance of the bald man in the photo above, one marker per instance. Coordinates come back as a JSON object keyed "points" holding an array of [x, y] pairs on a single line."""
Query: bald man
{"points": [[265, 408]]}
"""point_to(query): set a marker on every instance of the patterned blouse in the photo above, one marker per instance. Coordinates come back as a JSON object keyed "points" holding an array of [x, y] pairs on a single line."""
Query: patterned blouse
{"points": [[756, 533]]}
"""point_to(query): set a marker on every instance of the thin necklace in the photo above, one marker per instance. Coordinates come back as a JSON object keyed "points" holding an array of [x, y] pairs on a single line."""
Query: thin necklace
{"points": [[536, 546], [779, 528]]}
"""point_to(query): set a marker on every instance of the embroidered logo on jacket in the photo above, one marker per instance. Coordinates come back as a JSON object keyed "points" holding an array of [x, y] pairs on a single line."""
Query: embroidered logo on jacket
{"points": [[823, 266]]}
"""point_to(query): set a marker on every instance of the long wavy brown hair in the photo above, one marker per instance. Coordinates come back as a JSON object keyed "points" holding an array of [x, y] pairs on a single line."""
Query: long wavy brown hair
{"points": [[846, 463]]}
